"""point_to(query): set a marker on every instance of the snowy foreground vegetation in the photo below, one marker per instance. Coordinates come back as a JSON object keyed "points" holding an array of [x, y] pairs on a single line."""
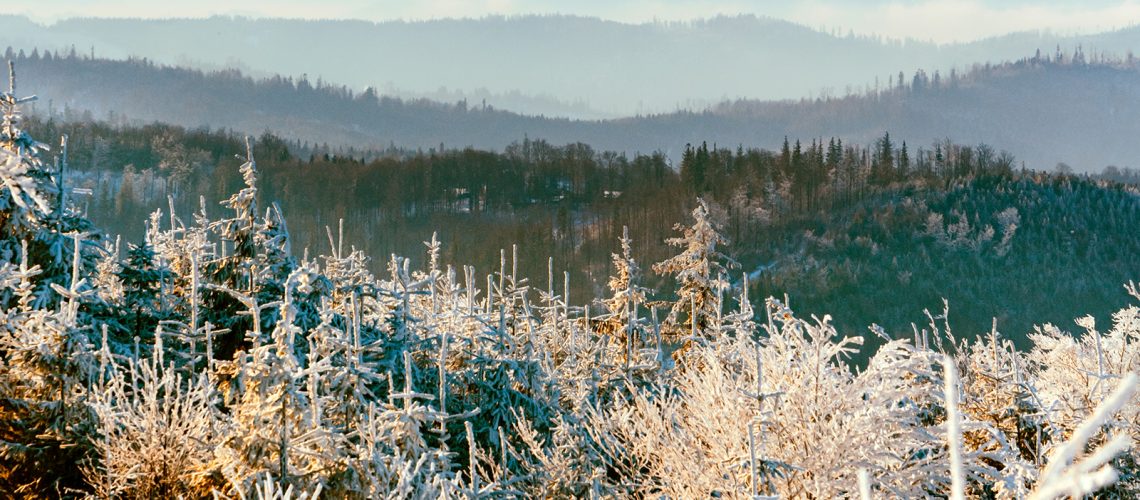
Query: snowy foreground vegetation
{"points": [[211, 361]]}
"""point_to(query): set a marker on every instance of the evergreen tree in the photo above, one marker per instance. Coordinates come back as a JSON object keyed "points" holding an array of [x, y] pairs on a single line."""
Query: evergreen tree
{"points": [[904, 162], [258, 262], [142, 279], [626, 295], [700, 270], [695, 165], [26, 195], [625, 290], [883, 168], [45, 364], [45, 303]]}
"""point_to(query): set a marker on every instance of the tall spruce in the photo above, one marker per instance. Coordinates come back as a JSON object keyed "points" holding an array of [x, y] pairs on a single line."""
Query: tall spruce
{"points": [[700, 270]]}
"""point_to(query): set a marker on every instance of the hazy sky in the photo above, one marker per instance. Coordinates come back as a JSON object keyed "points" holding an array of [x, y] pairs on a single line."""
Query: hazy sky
{"points": [[937, 20]]}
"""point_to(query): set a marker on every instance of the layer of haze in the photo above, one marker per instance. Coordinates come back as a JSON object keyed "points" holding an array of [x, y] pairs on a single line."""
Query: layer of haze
{"points": [[578, 67], [940, 21]]}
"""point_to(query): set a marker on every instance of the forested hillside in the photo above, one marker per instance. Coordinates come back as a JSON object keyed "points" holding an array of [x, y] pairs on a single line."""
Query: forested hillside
{"points": [[841, 228], [1046, 108], [214, 358]]}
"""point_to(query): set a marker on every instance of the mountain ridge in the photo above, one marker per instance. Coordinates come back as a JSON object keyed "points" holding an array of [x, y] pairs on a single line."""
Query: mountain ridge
{"points": [[1072, 111], [614, 68]]}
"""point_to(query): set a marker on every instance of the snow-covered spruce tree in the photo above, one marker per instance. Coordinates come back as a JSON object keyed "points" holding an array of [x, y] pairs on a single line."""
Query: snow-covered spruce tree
{"points": [[25, 197], [141, 277], [569, 461], [348, 336], [600, 362], [181, 254], [105, 278], [276, 425], [44, 307], [626, 295], [44, 371], [700, 270], [393, 455], [619, 346], [506, 365], [33, 217], [255, 262]]}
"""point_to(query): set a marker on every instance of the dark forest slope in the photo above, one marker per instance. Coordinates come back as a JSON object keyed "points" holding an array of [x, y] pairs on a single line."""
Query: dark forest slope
{"points": [[867, 234], [1008, 248]]}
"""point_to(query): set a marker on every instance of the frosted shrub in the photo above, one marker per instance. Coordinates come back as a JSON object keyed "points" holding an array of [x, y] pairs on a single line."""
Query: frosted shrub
{"points": [[1073, 375], [829, 422], [1003, 428], [791, 403], [157, 429], [1067, 475]]}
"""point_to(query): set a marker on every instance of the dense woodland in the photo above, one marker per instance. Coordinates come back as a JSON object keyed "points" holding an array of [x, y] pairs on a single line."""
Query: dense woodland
{"points": [[839, 227], [214, 359]]}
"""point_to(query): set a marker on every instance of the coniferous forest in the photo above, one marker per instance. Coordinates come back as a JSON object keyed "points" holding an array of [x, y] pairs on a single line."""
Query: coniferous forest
{"points": [[841, 228], [643, 338]]}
